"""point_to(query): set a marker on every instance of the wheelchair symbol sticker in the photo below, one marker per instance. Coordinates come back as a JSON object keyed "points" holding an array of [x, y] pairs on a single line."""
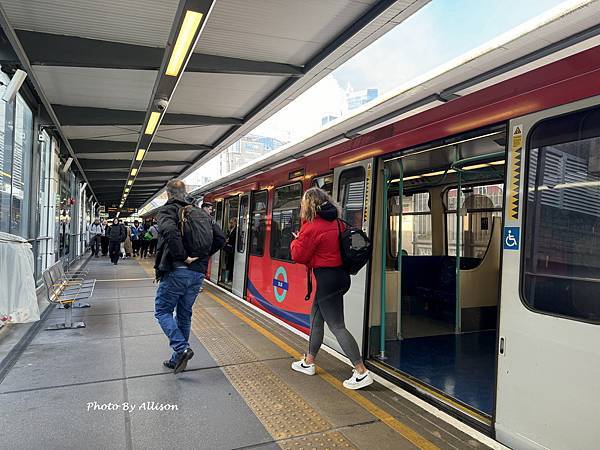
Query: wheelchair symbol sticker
{"points": [[511, 238]]}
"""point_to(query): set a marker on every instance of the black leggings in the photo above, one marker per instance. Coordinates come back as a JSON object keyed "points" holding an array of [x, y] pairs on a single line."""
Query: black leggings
{"points": [[328, 307]]}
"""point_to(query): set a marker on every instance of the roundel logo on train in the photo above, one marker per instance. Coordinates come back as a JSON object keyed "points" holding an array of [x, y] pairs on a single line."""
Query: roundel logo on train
{"points": [[280, 284]]}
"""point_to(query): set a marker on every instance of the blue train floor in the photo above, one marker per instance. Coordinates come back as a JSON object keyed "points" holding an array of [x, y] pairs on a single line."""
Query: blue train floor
{"points": [[462, 366]]}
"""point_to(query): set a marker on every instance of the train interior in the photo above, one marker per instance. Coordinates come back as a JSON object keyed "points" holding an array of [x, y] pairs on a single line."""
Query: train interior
{"points": [[441, 250]]}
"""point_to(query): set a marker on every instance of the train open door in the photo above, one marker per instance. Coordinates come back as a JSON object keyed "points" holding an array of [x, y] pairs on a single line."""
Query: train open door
{"points": [[548, 351], [216, 258], [352, 189], [227, 260], [241, 247]]}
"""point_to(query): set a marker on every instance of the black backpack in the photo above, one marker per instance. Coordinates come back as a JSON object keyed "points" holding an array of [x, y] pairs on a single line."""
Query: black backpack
{"points": [[355, 247], [196, 230]]}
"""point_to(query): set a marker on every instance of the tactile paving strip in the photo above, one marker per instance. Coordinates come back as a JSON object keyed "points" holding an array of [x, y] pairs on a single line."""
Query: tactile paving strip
{"points": [[331, 439], [284, 414]]}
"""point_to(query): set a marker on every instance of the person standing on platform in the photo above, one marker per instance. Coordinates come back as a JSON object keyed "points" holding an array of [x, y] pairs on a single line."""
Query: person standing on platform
{"points": [[187, 239], [116, 235], [135, 237], [145, 237], [128, 244], [317, 246], [104, 238], [154, 241], [96, 231]]}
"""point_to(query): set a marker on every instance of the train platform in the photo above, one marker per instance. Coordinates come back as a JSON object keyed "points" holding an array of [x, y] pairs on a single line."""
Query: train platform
{"points": [[104, 386]]}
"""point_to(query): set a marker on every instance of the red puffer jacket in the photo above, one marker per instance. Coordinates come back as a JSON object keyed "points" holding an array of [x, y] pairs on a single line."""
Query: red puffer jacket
{"points": [[318, 243]]}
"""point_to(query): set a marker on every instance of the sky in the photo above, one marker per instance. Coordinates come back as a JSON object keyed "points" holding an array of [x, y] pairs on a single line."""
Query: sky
{"points": [[439, 32]]}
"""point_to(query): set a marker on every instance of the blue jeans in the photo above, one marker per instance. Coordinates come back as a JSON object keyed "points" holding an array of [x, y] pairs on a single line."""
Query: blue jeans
{"points": [[177, 292]]}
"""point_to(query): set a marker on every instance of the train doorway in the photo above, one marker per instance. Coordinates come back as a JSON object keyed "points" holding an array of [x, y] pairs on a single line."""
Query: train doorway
{"points": [[230, 224], [436, 282]]}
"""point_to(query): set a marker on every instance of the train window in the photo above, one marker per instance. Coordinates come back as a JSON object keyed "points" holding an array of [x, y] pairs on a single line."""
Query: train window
{"points": [[285, 219], [258, 222], [219, 213], [561, 241], [242, 224], [416, 224], [479, 206], [325, 182], [352, 195]]}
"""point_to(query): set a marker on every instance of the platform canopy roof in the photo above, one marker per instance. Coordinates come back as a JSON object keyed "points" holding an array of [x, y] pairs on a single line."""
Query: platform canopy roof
{"points": [[99, 68]]}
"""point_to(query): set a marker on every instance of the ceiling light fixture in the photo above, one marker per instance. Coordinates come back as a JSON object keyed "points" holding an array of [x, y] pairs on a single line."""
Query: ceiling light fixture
{"points": [[140, 154], [129, 182], [188, 30], [152, 122], [134, 172]]}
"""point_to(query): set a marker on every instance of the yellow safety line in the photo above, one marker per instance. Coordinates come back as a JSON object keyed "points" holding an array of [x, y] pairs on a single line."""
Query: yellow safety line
{"points": [[404, 430]]}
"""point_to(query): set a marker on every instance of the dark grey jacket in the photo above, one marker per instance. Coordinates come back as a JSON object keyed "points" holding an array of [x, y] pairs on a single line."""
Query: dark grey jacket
{"points": [[116, 233]]}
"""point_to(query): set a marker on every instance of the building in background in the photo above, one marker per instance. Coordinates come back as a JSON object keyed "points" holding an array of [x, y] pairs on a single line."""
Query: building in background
{"points": [[355, 99], [246, 150]]}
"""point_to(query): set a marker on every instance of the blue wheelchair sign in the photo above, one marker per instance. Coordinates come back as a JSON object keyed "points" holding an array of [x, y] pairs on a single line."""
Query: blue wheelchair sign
{"points": [[512, 237]]}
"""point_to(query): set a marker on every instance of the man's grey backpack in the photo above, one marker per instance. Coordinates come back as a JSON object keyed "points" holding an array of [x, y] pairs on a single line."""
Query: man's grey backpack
{"points": [[196, 230]]}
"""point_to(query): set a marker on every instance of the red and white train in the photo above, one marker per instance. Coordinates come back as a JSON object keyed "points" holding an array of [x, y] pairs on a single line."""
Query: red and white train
{"points": [[484, 210]]}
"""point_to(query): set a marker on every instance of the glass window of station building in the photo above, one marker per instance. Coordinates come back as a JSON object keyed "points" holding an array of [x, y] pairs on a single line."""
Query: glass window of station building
{"points": [[39, 200]]}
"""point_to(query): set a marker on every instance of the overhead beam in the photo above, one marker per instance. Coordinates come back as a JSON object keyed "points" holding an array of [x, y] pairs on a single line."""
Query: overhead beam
{"points": [[157, 176], [86, 116], [145, 184], [47, 49], [101, 146], [103, 164]]}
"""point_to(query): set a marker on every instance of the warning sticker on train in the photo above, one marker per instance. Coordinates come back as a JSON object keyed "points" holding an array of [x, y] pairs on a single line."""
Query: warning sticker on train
{"points": [[515, 173], [280, 284], [512, 237]]}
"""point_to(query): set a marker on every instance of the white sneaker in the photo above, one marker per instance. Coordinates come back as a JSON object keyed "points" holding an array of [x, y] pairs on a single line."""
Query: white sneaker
{"points": [[358, 381], [301, 366]]}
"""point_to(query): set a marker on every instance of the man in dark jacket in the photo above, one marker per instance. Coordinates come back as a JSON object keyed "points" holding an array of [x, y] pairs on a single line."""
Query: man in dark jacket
{"points": [[116, 234], [180, 275]]}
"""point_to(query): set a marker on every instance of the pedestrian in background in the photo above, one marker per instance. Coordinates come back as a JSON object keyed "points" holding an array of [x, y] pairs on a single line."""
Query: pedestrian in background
{"points": [[154, 241], [96, 231], [116, 236], [127, 244], [135, 237], [104, 238]]}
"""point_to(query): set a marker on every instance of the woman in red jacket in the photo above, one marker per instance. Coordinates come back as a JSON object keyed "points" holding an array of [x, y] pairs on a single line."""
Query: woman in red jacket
{"points": [[317, 246]]}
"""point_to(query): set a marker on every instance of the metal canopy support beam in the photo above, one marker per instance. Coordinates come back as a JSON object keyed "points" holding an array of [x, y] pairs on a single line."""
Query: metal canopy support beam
{"points": [[101, 146], [122, 176], [86, 116], [69, 51], [102, 164]]}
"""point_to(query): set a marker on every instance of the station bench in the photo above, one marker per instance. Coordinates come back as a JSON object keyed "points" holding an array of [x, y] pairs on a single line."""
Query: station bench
{"points": [[67, 289]]}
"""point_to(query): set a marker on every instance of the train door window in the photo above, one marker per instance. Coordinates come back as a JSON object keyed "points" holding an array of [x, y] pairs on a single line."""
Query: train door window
{"points": [[561, 239], [258, 222], [324, 182], [416, 224], [479, 206], [242, 224], [286, 219], [219, 213], [352, 194]]}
